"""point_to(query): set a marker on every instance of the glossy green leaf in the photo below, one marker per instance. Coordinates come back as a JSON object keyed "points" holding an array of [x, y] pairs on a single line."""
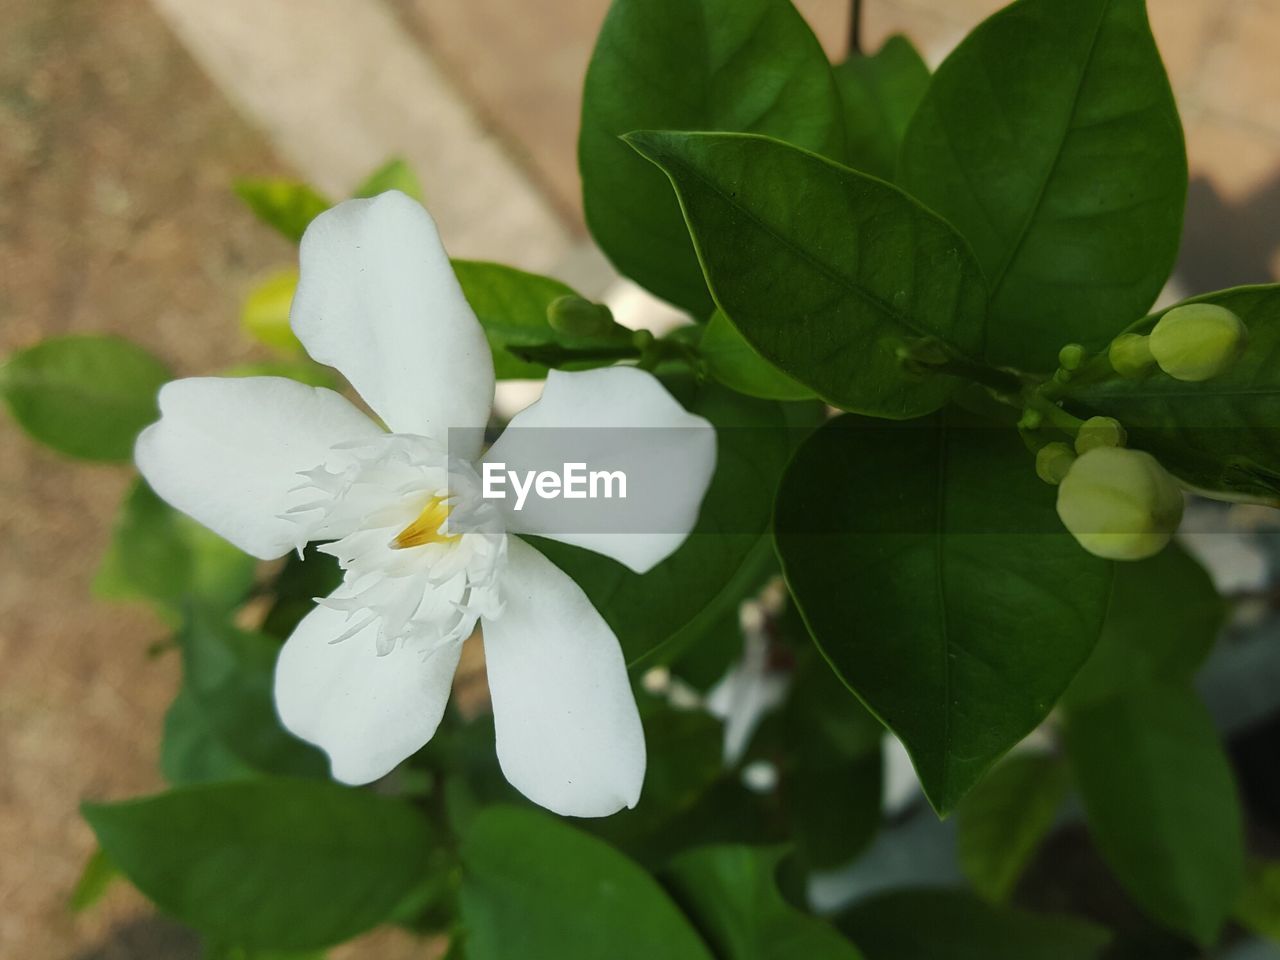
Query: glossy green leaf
{"points": [[939, 584], [1161, 804], [511, 306], [286, 205], [746, 65], [270, 864], [95, 880], [1223, 435], [722, 556], [1005, 817], [191, 750], [229, 675], [830, 290], [395, 174], [880, 94], [932, 924], [731, 894], [736, 364], [160, 555], [85, 396], [1146, 637], [1050, 139], [536, 888]]}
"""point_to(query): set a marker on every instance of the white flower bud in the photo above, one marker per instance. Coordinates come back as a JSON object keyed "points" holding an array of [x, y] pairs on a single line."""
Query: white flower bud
{"points": [[1197, 341], [1119, 503]]}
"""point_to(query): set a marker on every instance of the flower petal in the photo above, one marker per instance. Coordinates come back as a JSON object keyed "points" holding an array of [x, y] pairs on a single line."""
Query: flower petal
{"points": [[568, 732], [377, 299], [227, 452], [367, 712], [615, 418]]}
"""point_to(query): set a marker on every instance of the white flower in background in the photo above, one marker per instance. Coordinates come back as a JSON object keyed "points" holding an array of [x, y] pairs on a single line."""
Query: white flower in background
{"points": [[750, 689], [271, 464]]}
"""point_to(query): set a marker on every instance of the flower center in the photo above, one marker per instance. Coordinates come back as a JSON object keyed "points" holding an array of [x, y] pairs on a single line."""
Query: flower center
{"points": [[427, 527]]}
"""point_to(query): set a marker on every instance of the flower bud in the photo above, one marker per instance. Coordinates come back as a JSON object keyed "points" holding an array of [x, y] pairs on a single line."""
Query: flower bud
{"points": [[1100, 432], [576, 317], [1071, 356], [1130, 355], [1119, 503], [1197, 341], [1053, 460]]}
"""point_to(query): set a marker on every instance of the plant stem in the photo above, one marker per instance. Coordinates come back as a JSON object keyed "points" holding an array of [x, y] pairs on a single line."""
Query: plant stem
{"points": [[855, 28]]}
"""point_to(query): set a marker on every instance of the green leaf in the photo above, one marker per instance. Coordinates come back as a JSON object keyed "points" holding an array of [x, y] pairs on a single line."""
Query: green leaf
{"points": [[286, 205], [295, 589], [720, 558], [95, 880], [732, 895], [831, 295], [1221, 436], [265, 314], [1005, 817], [270, 864], [303, 369], [511, 306], [160, 555], [880, 93], [939, 584], [395, 174], [537, 889], [1258, 907], [85, 396], [190, 749], [1050, 139], [736, 364], [229, 676], [931, 924], [744, 65], [1146, 637], [1161, 804]]}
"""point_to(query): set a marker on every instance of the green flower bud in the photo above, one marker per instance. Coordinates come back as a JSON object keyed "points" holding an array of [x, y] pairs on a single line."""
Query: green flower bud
{"points": [[576, 317], [1053, 460], [1130, 355], [1071, 356], [1120, 504], [1100, 432], [1198, 341]]}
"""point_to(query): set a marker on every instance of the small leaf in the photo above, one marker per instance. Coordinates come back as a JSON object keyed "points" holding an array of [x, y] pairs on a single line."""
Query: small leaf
{"points": [[190, 749], [736, 364], [1161, 804], [286, 205], [85, 396], [939, 584], [931, 924], [270, 864], [880, 93], [1050, 139], [95, 879], [395, 174], [1005, 817], [832, 296], [265, 315], [537, 889], [732, 895], [748, 65]]}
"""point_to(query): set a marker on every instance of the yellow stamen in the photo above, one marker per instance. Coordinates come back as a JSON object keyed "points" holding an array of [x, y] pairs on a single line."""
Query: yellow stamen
{"points": [[426, 529]]}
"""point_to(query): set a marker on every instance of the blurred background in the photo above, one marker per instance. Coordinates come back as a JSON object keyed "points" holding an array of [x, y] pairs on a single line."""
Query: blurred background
{"points": [[122, 126]]}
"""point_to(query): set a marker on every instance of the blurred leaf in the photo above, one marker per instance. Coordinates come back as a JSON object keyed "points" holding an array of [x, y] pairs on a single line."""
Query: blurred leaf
{"points": [[1258, 907], [190, 749], [1050, 139], [880, 93], [395, 174], [301, 580], [303, 369], [1161, 804], [95, 879], [270, 864], [731, 893], [1006, 816], [85, 396], [158, 554], [932, 924], [265, 315], [287, 205], [830, 297], [736, 364], [945, 608], [1163, 619], [749, 65], [1221, 436], [537, 889]]}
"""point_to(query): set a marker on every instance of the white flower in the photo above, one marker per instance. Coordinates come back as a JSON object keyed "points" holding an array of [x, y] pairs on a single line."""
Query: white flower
{"points": [[271, 464], [751, 688]]}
